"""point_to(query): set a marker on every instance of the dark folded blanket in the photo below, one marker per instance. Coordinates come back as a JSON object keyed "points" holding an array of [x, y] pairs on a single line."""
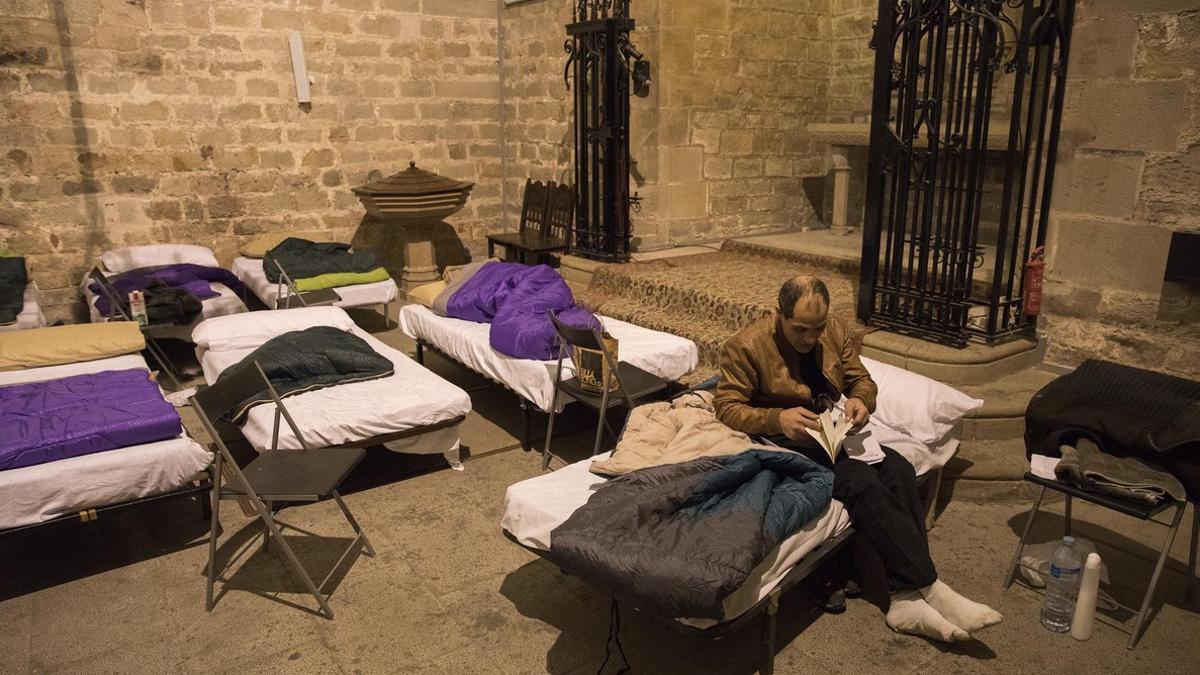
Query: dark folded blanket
{"points": [[47, 421], [194, 280], [680, 538], [514, 299], [310, 359], [1085, 466], [303, 259], [13, 280], [1124, 411]]}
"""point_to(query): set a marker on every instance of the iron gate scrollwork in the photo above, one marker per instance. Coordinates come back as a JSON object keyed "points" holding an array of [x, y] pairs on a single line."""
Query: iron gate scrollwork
{"points": [[604, 66], [943, 248]]}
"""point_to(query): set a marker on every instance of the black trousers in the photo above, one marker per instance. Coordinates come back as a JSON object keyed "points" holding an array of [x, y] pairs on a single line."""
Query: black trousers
{"points": [[884, 506]]}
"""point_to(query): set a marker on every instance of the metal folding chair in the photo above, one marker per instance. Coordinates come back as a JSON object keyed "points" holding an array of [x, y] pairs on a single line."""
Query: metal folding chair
{"points": [[326, 296], [118, 312], [1141, 511], [633, 383], [305, 475]]}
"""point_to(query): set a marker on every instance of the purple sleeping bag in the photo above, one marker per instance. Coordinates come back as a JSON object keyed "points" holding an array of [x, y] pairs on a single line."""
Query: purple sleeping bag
{"points": [[47, 421], [514, 299]]}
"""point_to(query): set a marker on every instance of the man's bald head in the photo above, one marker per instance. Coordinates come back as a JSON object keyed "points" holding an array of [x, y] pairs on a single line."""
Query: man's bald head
{"points": [[801, 287]]}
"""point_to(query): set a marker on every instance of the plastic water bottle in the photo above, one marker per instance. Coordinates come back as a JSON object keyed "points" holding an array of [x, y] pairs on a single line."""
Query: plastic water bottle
{"points": [[1062, 587]]}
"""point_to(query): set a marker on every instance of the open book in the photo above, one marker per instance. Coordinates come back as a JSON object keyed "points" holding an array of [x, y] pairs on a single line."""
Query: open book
{"points": [[832, 433]]}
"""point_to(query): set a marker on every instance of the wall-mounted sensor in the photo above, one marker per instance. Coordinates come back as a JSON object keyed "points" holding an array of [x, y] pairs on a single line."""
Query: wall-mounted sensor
{"points": [[299, 70]]}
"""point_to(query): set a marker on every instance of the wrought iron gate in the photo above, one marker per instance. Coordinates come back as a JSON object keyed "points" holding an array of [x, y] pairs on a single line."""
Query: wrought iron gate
{"points": [[934, 223], [599, 61]]}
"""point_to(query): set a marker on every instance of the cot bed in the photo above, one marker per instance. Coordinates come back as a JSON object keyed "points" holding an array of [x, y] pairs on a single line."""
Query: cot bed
{"points": [[133, 258], [84, 486], [282, 294], [916, 416], [467, 344], [412, 410], [31, 314]]}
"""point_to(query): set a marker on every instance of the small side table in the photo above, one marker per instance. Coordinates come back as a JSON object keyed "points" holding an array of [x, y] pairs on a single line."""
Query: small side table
{"points": [[1137, 510]]}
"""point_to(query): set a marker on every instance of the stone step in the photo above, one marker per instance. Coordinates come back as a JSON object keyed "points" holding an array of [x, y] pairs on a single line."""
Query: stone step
{"points": [[1005, 399], [987, 470]]}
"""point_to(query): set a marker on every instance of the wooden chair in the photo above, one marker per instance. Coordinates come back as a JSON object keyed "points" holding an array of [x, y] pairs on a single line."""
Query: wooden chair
{"points": [[546, 213], [306, 475], [633, 383]]}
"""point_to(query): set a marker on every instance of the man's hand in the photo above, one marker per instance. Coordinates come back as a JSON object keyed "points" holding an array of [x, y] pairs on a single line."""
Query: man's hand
{"points": [[795, 420], [856, 412]]}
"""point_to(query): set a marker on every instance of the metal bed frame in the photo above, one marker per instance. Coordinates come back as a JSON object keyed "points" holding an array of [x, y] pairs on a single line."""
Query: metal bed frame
{"points": [[315, 298], [527, 407], [198, 487]]}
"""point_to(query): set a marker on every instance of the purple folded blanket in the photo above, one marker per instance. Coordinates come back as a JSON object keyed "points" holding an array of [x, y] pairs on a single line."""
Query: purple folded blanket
{"points": [[514, 299], [196, 280], [47, 421]]}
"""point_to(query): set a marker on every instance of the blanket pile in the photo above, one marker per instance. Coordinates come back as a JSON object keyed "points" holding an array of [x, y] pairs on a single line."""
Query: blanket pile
{"points": [[166, 286], [514, 299], [678, 539], [314, 266], [58, 419], [13, 280], [307, 360]]}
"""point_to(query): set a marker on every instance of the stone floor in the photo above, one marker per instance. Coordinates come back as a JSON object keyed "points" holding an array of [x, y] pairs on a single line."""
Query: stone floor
{"points": [[447, 592]]}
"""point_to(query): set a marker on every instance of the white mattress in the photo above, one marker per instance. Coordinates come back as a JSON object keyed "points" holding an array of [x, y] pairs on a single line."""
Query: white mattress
{"points": [[667, 356], [534, 507], [31, 314], [411, 397], [37, 493], [250, 271], [226, 302]]}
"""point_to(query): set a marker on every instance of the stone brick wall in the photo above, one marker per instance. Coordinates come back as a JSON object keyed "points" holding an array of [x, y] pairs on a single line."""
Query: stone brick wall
{"points": [[536, 103], [135, 121], [1128, 173], [852, 62]]}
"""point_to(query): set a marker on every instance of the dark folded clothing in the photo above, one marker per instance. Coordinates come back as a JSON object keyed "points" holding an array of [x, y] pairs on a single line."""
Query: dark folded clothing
{"points": [[303, 259], [1085, 466], [195, 280], [310, 359], [13, 280], [58, 419]]}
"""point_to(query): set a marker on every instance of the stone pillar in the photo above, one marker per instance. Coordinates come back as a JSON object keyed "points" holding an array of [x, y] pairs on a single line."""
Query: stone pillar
{"points": [[841, 189], [419, 264]]}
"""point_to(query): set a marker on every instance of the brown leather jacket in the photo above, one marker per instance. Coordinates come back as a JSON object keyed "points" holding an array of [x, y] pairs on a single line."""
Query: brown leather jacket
{"points": [[760, 375]]}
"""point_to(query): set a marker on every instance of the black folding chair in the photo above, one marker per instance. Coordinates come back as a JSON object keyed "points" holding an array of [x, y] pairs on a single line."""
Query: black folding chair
{"points": [[326, 296], [633, 383], [118, 312], [306, 475]]}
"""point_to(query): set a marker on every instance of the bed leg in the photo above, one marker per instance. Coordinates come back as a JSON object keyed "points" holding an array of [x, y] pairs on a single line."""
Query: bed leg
{"points": [[527, 423], [934, 491], [420, 351], [387, 321], [769, 625]]}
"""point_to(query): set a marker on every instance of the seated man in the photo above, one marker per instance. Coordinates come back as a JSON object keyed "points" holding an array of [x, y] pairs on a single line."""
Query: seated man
{"points": [[774, 376]]}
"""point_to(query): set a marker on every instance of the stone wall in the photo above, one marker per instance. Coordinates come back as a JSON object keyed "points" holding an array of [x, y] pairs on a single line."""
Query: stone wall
{"points": [[1128, 172], [536, 102], [135, 121]]}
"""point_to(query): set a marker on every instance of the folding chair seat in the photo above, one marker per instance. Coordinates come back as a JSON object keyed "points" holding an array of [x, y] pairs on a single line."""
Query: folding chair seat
{"points": [[633, 383], [305, 475]]}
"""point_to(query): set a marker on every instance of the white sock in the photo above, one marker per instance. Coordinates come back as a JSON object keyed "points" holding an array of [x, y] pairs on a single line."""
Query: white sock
{"points": [[909, 613], [966, 614]]}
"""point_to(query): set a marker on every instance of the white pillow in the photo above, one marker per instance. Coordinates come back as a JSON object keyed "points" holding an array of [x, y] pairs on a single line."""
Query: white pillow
{"points": [[248, 330], [915, 405], [134, 257]]}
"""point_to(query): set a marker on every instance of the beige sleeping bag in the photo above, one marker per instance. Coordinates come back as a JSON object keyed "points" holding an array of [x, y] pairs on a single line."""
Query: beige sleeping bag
{"points": [[673, 432]]}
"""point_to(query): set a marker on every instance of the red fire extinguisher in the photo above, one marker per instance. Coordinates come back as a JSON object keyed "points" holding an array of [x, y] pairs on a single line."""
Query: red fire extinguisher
{"points": [[1035, 271]]}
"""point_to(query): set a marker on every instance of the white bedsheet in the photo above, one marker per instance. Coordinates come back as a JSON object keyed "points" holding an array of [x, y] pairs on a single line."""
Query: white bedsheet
{"points": [[226, 302], [667, 356], [411, 397], [37, 493], [31, 314], [534, 507], [250, 271]]}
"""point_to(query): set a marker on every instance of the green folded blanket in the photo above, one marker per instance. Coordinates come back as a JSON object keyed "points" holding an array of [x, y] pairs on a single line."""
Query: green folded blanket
{"points": [[337, 279], [314, 266]]}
